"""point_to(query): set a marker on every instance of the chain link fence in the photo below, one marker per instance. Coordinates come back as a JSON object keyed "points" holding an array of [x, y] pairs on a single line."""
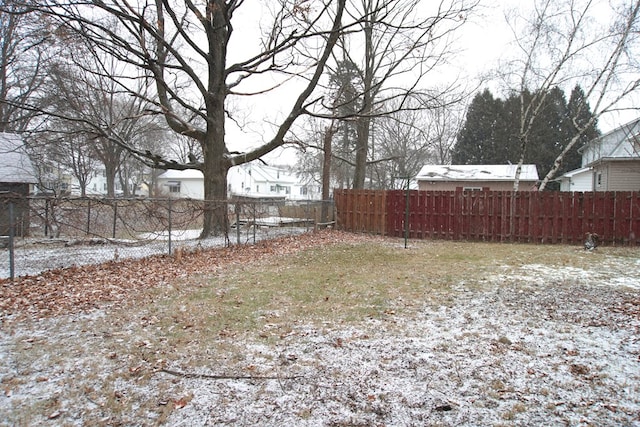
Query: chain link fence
{"points": [[43, 233]]}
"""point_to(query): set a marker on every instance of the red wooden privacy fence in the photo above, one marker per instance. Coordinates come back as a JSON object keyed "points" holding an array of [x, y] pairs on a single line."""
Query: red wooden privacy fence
{"points": [[540, 217]]}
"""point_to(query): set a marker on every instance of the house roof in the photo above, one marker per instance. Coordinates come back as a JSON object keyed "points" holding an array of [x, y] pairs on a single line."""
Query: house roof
{"points": [[274, 174], [15, 164], [575, 172], [476, 173], [622, 142], [182, 174]]}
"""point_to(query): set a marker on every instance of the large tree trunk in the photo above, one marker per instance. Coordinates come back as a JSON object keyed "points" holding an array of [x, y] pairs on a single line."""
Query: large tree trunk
{"points": [[215, 210], [362, 151], [110, 171], [364, 122], [216, 161], [215, 187], [326, 170]]}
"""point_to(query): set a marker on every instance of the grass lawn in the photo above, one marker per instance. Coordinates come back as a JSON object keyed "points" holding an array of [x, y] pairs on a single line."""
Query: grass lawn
{"points": [[350, 330]]}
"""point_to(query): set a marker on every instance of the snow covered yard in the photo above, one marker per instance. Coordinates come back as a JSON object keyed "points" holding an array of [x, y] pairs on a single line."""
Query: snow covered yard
{"points": [[472, 334]]}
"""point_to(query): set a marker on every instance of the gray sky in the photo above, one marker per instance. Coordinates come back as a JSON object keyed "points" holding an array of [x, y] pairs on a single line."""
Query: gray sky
{"points": [[483, 41]]}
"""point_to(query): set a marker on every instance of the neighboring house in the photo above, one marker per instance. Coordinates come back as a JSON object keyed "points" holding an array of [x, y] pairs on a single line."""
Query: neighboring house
{"points": [[610, 162], [577, 180], [476, 177], [250, 180], [187, 183], [17, 176], [97, 184], [261, 181]]}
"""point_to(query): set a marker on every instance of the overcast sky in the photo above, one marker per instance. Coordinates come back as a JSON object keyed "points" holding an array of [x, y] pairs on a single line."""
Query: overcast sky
{"points": [[483, 40]]}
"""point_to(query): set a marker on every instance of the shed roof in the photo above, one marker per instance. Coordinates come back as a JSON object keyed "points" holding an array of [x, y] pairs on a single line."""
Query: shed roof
{"points": [[15, 164], [476, 173]]}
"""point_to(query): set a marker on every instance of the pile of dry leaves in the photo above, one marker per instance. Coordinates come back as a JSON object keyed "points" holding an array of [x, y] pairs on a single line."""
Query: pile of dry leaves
{"points": [[78, 289]]}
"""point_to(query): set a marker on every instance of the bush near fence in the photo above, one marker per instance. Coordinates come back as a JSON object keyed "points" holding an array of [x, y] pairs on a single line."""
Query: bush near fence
{"points": [[537, 217]]}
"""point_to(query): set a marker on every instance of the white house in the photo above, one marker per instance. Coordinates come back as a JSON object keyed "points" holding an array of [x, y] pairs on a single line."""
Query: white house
{"points": [[97, 184], [577, 180], [258, 181], [187, 183], [247, 180], [610, 162]]}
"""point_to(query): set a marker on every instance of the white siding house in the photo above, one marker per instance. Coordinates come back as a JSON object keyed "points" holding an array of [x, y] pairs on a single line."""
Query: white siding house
{"points": [[262, 181], [187, 183], [610, 162], [97, 184], [577, 180], [246, 180]]}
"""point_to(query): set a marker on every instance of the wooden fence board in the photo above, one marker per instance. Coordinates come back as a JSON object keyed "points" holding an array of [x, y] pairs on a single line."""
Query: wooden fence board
{"points": [[540, 217]]}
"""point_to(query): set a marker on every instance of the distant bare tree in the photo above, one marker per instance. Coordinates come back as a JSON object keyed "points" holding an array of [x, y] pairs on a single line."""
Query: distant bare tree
{"points": [[395, 45], [85, 101], [24, 50], [408, 139]]}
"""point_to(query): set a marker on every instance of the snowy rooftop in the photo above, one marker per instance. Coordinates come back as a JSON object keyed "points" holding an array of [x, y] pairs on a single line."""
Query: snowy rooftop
{"points": [[182, 174], [476, 173]]}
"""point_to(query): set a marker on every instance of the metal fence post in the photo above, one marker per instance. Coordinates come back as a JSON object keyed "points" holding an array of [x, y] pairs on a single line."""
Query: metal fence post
{"points": [[237, 209], [254, 222], [406, 215], [12, 272], [115, 217], [46, 217], [88, 216], [169, 225]]}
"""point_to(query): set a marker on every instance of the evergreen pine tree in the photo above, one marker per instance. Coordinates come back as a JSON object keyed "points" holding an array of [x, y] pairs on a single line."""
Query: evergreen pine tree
{"points": [[476, 139]]}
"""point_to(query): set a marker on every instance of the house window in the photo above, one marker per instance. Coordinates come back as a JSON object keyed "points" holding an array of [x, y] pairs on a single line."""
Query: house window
{"points": [[273, 188], [472, 189], [174, 186], [257, 188], [303, 190], [599, 179]]}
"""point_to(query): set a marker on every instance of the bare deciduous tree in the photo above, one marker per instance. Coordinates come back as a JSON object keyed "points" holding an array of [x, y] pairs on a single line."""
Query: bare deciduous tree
{"points": [[562, 43], [93, 118], [183, 47], [396, 45], [24, 49], [408, 139]]}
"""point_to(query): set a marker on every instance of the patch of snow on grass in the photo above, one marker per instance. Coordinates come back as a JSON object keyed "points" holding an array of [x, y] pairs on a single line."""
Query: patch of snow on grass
{"points": [[530, 345]]}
